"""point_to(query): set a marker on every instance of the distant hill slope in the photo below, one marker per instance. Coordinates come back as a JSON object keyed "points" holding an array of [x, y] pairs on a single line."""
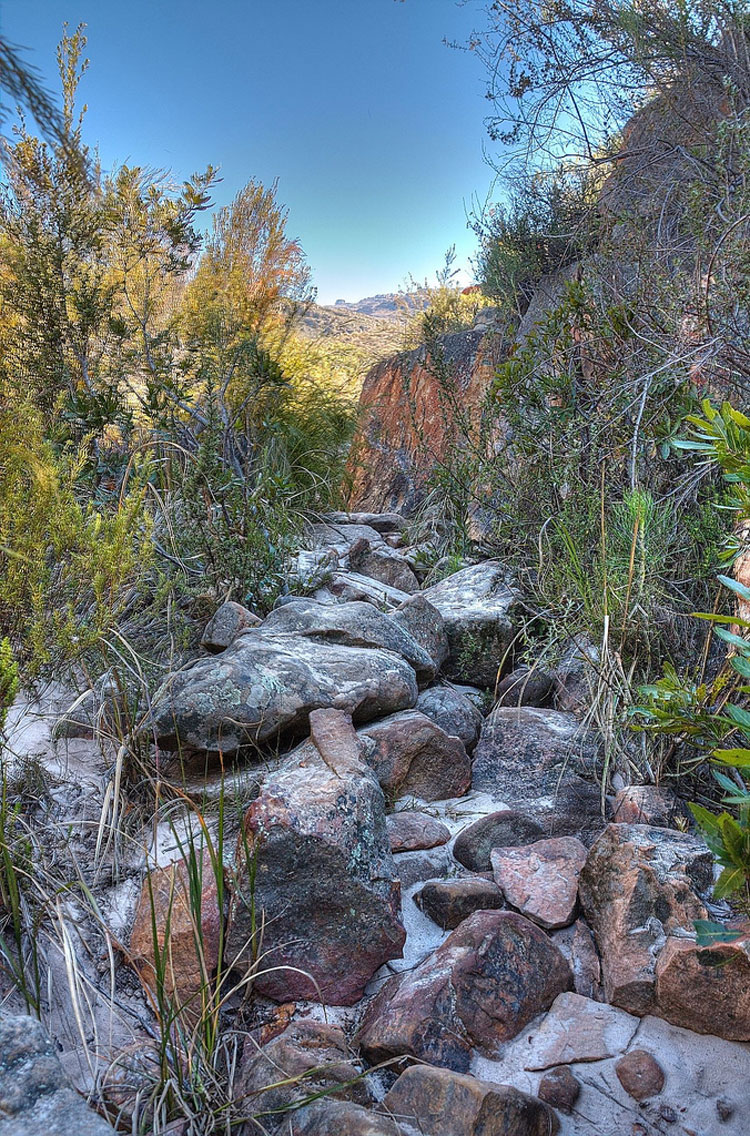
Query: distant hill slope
{"points": [[374, 327]]}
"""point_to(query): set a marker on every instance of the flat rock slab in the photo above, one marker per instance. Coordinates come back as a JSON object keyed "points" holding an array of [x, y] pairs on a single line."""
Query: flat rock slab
{"points": [[444, 1103], [481, 611], [314, 865], [265, 685], [350, 625], [579, 1029], [543, 763], [413, 832], [35, 1094], [541, 879], [490, 977], [412, 756]]}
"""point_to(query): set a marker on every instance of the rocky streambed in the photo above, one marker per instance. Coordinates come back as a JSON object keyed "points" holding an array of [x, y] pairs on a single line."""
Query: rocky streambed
{"points": [[394, 844]]}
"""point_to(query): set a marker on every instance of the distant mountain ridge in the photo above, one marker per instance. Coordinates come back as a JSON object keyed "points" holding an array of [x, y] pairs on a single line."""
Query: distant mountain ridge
{"points": [[387, 305]]}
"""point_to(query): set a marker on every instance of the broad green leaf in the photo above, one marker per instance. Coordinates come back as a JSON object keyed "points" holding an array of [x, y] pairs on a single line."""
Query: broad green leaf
{"points": [[707, 821], [729, 882], [708, 933], [738, 757]]}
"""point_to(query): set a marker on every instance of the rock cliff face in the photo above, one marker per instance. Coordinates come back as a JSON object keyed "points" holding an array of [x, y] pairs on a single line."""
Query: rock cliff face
{"points": [[413, 405], [416, 405]]}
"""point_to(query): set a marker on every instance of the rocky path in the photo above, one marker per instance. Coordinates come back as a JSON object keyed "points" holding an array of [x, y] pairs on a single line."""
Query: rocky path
{"points": [[440, 931]]}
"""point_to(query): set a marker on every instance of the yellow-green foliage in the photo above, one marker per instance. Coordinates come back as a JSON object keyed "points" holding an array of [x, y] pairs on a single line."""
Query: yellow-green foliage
{"points": [[449, 309], [65, 568]]}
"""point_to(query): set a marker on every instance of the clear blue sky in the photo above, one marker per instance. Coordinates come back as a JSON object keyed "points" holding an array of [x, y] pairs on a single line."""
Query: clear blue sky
{"points": [[372, 125]]}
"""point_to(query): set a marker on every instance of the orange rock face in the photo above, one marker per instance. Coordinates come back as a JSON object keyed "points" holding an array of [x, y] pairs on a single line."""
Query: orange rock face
{"points": [[414, 407]]}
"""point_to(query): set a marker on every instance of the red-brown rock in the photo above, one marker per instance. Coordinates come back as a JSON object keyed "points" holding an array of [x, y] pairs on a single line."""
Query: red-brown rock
{"points": [[449, 902], [639, 885], [168, 902], [640, 1074], [316, 844], [503, 829], [412, 832], [490, 977], [541, 879], [451, 1104], [308, 1057], [407, 427], [646, 804], [705, 989], [411, 755], [559, 1088]]}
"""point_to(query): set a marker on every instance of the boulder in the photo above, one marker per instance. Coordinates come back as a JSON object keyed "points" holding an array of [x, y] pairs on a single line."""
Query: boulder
{"points": [[638, 886], [415, 867], [340, 1118], [559, 1088], [445, 1103], [382, 563], [541, 879], [453, 712], [411, 755], [316, 845], [265, 685], [542, 763], [225, 625], [481, 611], [647, 804], [525, 687], [413, 832], [705, 989], [503, 829], [449, 902], [380, 522], [182, 902], [350, 625], [35, 1094], [352, 587], [420, 619], [575, 676], [341, 537], [490, 977], [578, 1029], [640, 1074], [306, 1059]]}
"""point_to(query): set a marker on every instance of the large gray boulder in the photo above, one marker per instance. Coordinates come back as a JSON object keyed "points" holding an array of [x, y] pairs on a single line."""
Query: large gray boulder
{"points": [[265, 685], [315, 871], [543, 764], [351, 625], [481, 612], [36, 1097]]}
